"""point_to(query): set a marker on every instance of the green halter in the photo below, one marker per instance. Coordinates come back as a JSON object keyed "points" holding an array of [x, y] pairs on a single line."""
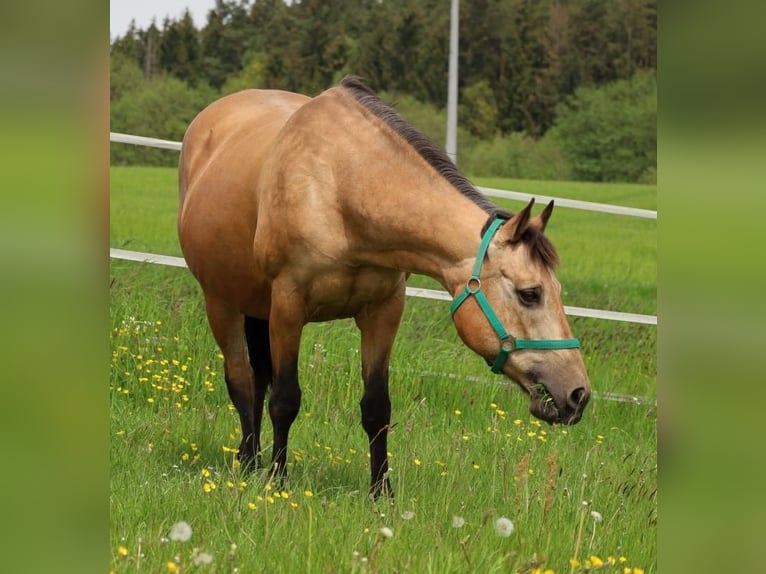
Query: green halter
{"points": [[507, 343]]}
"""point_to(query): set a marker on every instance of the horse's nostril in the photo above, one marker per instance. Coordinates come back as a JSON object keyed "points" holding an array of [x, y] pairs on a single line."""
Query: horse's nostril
{"points": [[578, 397]]}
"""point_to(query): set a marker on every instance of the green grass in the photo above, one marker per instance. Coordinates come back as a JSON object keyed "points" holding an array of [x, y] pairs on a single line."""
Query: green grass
{"points": [[463, 442]]}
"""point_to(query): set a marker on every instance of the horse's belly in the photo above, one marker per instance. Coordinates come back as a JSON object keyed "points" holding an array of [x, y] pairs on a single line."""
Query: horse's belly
{"points": [[340, 295]]}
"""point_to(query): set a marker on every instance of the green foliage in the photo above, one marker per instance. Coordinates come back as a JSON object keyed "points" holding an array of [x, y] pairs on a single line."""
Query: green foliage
{"points": [[516, 155], [253, 75], [478, 110], [124, 76], [162, 108], [610, 133]]}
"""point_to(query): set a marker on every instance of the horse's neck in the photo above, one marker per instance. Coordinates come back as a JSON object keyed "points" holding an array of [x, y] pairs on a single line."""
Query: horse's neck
{"points": [[420, 224]]}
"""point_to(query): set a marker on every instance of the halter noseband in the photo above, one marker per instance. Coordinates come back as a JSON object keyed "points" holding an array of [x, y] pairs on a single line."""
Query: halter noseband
{"points": [[508, 344]]}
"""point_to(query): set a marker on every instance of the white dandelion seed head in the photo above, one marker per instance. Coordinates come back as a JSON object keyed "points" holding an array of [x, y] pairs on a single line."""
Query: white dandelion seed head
{"points": [[596, 516], [386, 532], [180, 532], [458, 522], [408, 515], [202, 558], [503, 527]]}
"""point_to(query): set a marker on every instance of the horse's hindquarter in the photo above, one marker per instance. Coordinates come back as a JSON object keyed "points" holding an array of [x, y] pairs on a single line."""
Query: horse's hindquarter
{"points": [[223, 153]]}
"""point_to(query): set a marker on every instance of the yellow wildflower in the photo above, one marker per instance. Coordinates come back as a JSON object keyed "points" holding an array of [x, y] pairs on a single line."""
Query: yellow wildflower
{"points": [[122, 551], [208, 486], [308, 493], [594, 562], [172, 567]]}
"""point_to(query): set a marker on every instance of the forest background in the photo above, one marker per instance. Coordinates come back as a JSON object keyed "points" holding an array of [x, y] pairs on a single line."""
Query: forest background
{"points": [[548, 89]]}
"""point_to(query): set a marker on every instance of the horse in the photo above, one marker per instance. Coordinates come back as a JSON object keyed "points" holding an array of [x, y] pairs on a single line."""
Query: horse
{"points": [[295, 209]]}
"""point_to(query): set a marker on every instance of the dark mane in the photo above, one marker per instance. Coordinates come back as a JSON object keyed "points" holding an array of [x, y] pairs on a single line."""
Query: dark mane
{"points": [[429, 151], [540, 246]]}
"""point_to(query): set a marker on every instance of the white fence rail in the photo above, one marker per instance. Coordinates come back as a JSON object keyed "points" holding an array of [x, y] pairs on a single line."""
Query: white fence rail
{"points": [[411, 291]]}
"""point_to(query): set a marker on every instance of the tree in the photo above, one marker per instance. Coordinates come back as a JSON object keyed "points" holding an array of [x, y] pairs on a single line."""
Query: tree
{"points": [[478, 110], [180, 49]]}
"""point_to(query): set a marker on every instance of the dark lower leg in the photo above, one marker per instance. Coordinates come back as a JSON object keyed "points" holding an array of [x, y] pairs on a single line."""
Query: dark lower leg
{"points": [[242, 401], [259, 351], [376, 416], [284, 404]]}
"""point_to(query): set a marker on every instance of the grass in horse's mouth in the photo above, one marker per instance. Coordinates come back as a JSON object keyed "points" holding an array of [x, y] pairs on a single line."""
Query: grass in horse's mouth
{"points": [[543, 393]]}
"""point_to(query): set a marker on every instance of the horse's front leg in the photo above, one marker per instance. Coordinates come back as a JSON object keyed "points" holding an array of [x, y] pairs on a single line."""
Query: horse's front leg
{"points": [[378, 325], [286, 323]]}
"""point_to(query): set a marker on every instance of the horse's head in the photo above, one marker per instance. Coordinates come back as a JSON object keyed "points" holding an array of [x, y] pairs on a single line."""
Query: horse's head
{"points": [[510, 313]]}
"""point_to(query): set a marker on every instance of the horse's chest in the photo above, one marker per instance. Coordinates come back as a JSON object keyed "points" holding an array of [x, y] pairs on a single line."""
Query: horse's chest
{"points": [[334, 295]]}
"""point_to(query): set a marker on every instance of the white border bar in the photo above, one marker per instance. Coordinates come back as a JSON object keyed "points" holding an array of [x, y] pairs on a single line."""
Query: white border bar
{"points": [[572, 203], [144, 141]]}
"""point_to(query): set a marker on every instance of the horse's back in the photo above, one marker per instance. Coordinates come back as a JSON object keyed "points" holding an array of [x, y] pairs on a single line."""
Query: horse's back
{"points": [[222, 156]]}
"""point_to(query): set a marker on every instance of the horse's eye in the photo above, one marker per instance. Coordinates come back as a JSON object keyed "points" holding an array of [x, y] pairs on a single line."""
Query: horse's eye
{"points": [[529, 297]]}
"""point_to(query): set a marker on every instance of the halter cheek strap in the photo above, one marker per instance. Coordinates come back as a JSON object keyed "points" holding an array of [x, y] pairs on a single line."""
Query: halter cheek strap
{"points": [[508, 344]]}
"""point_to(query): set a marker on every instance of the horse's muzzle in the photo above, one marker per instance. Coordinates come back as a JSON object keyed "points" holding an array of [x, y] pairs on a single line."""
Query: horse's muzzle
{"points": [[544, 407]]}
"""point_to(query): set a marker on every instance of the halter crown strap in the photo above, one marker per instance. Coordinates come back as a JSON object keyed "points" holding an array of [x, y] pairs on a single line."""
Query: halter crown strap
{"points": [[508, 344]]}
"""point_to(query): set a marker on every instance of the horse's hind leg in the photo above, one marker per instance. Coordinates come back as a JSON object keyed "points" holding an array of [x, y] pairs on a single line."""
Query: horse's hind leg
{"points": [[259, 351], [378, 325], [227, 325]]}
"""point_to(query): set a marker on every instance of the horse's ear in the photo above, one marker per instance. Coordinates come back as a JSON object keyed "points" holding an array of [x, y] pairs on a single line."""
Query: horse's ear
{"points": [[540, 221], [514, 229]]}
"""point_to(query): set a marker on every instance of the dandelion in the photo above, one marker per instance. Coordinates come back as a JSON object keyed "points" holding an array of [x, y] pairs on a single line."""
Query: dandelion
{"points": [[574, 562], [122, 551], [417, 462], [180, 532], [251, 505], [172, 567], [202, 558], [458, 412], [386, 532], [503, 527], [458, 522], [596, 516], [308, 493], [408, 515]]}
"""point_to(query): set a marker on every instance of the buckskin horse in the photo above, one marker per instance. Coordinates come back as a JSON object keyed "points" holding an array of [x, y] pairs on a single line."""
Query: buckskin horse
{"points": [[296, 209]]}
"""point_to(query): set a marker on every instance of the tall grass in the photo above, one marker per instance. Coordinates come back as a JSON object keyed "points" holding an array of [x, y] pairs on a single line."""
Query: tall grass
{"points": [[463, 444]]}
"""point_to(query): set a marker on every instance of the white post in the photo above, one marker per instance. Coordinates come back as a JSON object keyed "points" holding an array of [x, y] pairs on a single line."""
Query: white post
{"points": [[451, 144]]}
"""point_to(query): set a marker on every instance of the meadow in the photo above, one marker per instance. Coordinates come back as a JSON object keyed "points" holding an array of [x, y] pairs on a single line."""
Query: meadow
{"points": [[465, 452]]}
